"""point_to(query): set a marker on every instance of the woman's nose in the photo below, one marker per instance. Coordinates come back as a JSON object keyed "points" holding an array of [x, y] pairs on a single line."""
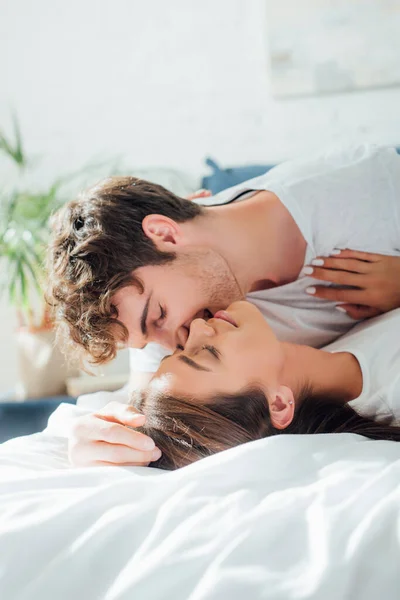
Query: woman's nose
{"points": [[199, 332]]}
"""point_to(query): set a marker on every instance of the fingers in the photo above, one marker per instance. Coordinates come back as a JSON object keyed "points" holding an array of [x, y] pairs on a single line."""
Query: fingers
{"points": [[118, 455], [91, 428], [357, 255], [93, 454], [121, 413], [108, 437], [103, 463], [336, 294], [341, 264], [338, 277], [365, 282], [113, 433], [358, 312]]}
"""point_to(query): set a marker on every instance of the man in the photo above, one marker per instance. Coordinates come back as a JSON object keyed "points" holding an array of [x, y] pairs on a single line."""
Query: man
{"points": [[132, 264]]}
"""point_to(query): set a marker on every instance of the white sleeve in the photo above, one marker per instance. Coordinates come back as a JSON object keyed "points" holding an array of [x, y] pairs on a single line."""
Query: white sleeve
{"points": [[62, 419], [146, 360]]}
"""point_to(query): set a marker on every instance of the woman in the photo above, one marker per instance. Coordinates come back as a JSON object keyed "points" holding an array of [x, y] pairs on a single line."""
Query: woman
{"points": [[235, 382]]}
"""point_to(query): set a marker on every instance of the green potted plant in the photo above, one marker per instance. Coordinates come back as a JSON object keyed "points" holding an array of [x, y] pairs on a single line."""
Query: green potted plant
{"points": [[24, 232]]}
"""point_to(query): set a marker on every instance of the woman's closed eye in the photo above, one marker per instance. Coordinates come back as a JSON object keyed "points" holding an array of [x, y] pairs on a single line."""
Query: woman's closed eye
{"points": [[212, 350], [196, 365], [189, 361]]}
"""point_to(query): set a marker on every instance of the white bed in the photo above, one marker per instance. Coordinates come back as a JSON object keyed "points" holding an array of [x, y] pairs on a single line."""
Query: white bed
{"points": [[291, 517]]}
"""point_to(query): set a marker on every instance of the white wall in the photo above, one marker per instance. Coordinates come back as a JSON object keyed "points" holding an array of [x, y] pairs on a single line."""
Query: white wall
{"points": [[160, 83]]}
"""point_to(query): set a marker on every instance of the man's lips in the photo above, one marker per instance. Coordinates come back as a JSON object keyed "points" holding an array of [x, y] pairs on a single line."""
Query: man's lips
{"points": [[225, 316]]}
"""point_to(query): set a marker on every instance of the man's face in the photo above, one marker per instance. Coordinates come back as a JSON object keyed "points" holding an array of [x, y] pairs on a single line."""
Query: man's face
{"points": [[197, 283]]}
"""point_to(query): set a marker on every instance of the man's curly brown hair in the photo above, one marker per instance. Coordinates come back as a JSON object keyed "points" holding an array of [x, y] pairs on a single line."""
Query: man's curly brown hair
{"points": [[97, 243]]}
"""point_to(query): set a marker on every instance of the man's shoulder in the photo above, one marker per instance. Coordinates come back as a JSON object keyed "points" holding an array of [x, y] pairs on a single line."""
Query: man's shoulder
{"points": [[334, 158]]}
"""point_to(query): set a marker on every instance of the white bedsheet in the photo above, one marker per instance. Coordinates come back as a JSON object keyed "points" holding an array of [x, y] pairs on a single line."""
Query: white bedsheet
{"points": [[291, 517]]}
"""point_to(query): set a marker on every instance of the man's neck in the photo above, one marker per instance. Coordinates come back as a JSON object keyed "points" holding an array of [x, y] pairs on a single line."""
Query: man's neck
{"points": [[335, 375], [259, 239]]}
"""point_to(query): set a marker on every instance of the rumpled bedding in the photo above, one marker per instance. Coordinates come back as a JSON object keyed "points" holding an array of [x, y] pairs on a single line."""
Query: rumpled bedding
{"points": [[281, 518]]}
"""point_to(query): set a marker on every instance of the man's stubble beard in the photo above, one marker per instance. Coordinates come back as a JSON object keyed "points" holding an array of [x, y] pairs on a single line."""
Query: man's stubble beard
{"points": [[218, 284]]}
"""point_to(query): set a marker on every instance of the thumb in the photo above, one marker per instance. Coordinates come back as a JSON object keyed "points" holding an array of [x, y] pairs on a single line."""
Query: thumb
{"points": [[121, 413]]}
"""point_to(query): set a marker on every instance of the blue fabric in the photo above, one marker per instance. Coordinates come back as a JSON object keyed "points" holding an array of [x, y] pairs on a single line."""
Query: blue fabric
{"points": [[30, 416], [220, 179]]}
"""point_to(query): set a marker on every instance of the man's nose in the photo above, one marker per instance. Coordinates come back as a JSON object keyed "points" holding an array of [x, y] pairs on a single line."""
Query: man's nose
{"points": [[171, 339], [182, 336]]}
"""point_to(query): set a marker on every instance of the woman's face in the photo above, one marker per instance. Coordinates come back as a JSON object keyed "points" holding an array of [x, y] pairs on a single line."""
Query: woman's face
{"points": [[234, 350]]}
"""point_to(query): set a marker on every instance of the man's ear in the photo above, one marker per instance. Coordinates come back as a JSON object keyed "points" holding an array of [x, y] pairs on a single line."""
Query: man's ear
{"points": [[162, 231], [281, 407]]}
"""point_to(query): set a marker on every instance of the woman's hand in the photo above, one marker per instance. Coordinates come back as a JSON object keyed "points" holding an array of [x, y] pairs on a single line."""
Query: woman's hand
{"points": [[375, 280], [105, 438]]}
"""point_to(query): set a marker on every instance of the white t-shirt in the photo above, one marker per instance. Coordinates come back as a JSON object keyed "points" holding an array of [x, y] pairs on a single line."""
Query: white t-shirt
{"points": [[376, 346], [344, 199]]}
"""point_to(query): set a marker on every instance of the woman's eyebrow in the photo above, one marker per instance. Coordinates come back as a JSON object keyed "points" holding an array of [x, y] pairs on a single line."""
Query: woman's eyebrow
{"points": [[192, 364]]}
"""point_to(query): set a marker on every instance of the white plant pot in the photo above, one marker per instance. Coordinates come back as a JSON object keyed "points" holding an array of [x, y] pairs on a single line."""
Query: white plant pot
{"points": [[43, 369]]}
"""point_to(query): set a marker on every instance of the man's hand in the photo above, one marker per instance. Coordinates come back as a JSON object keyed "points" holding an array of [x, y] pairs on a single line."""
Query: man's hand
{"points": [[375, 280], [105, 438], [199, 194]]}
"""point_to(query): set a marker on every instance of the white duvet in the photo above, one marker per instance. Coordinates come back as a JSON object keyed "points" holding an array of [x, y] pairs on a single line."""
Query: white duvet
{"points": [[290, 517]]}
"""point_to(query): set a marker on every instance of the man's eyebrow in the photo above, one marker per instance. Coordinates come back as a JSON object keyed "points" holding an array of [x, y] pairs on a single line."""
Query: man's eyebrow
{"points": [[192, 364], [143, 318]]}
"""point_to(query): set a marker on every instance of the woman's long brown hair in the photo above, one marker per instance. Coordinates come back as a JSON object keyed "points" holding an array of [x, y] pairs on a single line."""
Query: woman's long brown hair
{"points": [[186, 430]]}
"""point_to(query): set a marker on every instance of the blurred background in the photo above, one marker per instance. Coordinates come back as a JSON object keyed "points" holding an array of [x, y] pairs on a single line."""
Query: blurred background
{"points": [[153, 88]]}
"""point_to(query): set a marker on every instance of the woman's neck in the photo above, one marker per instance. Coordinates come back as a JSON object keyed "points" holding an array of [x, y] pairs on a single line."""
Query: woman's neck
{"points": [[336, 375]]}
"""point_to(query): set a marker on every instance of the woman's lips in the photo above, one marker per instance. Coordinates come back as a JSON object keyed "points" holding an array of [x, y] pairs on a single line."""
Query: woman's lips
{"points": [[225, 316]]}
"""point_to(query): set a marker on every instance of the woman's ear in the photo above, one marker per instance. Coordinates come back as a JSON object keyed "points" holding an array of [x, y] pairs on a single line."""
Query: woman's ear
{"points": [[162, 231], [281, 407]]}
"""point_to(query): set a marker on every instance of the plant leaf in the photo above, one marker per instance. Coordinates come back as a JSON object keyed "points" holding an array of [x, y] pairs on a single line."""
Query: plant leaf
{"points": [[13, 149]]}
